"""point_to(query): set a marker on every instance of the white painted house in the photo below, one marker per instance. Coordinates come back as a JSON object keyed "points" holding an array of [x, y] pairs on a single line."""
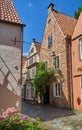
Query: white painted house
{"points": [[32, 61]]}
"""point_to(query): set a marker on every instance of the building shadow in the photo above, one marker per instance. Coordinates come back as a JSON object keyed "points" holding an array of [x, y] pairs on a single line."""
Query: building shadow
{"points": [[8, 92]]}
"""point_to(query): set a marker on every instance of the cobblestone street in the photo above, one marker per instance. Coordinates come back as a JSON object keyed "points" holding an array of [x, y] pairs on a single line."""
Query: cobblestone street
{"points": [[53, 118]]}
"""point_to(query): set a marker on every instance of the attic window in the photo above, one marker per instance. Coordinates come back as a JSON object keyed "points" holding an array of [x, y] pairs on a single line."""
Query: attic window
{"points": [[49, 21], [50, 40]]}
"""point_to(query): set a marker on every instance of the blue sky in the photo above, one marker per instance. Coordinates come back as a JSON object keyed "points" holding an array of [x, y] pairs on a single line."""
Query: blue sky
{"points": [[33, 14]]}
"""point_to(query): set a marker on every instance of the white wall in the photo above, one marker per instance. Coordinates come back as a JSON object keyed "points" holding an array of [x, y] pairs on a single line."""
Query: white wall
{"points": [[10, 66]]}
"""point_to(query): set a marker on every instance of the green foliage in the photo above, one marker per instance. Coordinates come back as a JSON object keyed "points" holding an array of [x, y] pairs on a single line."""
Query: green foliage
{"points": [[42, 78], [80, 69], [77, 13]]}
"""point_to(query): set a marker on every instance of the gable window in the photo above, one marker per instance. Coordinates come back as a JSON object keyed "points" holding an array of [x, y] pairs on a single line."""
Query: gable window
{"points": [[49, 40], [80, 49], [57, 90], [56, 62]]}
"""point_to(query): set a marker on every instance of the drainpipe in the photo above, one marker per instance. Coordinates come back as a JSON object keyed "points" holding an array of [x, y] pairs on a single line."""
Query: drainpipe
{"points": [[70, 63]]}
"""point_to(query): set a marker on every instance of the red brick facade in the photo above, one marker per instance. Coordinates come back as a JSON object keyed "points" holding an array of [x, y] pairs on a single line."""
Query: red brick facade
{"points": [[59, 47]]}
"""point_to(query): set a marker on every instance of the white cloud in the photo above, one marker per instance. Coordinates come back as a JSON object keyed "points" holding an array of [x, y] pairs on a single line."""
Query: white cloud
{"points": [[29, 4]]}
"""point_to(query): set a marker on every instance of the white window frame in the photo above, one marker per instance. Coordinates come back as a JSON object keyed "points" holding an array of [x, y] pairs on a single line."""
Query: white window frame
{"points": [[29, 92], [29, 72], [54, 88], [81, 89], [80, 48], [49, 40], [33, 69], [46, 67], [54, 60]]}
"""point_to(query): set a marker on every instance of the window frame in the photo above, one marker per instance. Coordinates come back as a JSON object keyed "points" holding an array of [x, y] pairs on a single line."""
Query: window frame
{"points": [[46, 65], [57, 93], [80, 49], [54, 59], [81, 88], [50, 40]]}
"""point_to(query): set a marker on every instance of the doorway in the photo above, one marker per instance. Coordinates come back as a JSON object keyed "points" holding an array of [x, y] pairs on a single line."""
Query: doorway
{"points": [[47, 95]]}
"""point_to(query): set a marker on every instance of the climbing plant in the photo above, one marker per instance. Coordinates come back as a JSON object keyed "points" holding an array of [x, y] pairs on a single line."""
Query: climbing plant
{"points": [[42, 79]]}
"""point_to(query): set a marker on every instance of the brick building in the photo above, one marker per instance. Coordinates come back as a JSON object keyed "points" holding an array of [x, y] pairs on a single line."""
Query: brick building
{"points": [[11, 31], [57, 54]]}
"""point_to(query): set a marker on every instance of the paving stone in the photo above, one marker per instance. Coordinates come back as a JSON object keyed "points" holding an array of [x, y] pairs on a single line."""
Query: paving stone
{"points": [[53, 118]]}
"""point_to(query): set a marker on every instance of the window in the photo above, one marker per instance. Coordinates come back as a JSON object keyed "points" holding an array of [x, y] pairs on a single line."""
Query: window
{"points": [[29, 91], [49, 40], [33, 72], [28, 74], [81, 89], [57, 90], [56, 62], [30, 60], [80, 49], [46, 65]]}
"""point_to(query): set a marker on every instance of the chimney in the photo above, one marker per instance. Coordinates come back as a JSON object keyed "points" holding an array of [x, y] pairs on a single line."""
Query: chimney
{"points": [[50, 7], [33, 40]]}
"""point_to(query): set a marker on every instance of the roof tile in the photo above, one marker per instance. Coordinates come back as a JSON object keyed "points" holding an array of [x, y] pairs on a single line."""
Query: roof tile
{"points": [[8, 12], [38, 46], [66, 23]]}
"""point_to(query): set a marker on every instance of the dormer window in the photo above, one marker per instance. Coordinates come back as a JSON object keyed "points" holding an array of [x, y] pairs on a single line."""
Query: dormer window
{"points": [[80, 48], [49, 40]]}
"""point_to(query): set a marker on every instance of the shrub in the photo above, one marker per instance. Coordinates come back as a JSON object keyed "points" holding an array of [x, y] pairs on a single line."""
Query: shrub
{"points": [[11, 120]]}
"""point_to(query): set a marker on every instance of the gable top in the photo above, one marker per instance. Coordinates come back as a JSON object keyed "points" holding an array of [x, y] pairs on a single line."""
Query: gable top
{"points": [[37, 46], [66, 23], [8, 12]]}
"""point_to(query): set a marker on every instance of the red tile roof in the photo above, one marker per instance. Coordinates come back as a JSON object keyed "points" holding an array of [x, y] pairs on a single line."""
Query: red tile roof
{"points": [[38, 46], [8, 12], [66, 23]]}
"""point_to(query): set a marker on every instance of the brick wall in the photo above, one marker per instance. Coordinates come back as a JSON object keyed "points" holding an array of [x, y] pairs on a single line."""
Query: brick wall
{"points": [[60, 48]]}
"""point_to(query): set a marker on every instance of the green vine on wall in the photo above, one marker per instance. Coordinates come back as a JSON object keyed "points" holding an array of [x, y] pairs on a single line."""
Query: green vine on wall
{"points": [[80, 69], [42, 78]]}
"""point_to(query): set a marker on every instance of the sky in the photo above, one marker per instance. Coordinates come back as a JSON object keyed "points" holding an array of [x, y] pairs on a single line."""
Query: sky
{"points": [[33, 14]]}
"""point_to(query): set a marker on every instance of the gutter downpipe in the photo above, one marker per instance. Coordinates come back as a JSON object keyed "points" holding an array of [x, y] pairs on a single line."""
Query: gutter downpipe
{"points": [[70, 64]]}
